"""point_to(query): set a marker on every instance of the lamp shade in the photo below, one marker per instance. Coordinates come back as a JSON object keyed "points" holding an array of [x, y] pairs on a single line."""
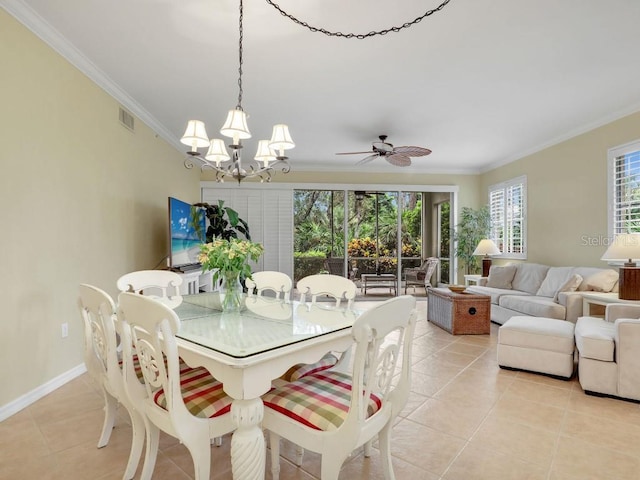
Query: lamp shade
{"points": [[625, 246], [281, 138], [265, 154], [236, 125], [487, 247], [217, 151], [195, 135]]}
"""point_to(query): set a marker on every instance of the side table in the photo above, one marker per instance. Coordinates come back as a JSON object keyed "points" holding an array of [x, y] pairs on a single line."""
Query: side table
{"points": [[594, 303], [471, 279]]}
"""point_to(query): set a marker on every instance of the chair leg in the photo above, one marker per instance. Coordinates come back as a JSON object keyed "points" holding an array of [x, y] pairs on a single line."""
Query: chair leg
{"points": [[200, 448], [151, 452], [384, 443], [274, 443], [367, 448], [216, 441], [110, 408], [137, 442], [330, 465]]}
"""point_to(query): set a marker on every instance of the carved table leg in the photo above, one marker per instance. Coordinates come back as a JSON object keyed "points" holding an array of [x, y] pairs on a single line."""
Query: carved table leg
{"points": [[248, 449]]}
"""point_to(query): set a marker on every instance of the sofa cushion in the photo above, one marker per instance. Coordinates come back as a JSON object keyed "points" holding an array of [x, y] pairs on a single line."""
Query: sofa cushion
{"points": [[501, 277], [571, 285], [595, 338], [529, 277], [556, 277], [534, 306], [494, 293], [598, 277]]}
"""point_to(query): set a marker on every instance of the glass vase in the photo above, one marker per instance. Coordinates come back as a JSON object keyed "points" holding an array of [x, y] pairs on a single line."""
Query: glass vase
{"points": [[230, 291]]}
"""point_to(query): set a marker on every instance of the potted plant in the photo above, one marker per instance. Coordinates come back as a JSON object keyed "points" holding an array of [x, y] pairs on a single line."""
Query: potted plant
{"points": [[474, 225], [224, 222]]}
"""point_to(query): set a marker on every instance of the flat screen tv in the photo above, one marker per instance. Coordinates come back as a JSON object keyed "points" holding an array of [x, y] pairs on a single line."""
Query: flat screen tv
{"points": [[187, 229]]}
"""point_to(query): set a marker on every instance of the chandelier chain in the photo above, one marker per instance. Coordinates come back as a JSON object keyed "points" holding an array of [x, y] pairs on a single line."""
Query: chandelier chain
{"points": [[359, 36], [239, 106]]}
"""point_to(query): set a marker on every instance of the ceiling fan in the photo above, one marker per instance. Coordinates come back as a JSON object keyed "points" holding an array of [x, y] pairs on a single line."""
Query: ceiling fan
{"points": [[398, 156]]}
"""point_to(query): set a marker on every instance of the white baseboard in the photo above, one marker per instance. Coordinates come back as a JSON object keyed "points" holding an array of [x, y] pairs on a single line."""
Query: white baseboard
{"points": [[36, 394]]}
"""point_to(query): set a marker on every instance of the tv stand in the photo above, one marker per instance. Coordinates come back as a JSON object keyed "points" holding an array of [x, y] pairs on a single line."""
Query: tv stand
{"points": [[196, 281]]}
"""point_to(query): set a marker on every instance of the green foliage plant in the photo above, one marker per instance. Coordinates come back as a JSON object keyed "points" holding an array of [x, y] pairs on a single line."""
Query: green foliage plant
{"points": [[308, 263], [474, 225], [224, 222]]}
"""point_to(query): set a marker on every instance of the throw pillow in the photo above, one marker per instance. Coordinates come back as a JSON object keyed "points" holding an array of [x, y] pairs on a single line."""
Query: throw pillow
{"points": [[556, 277], [603, 281], [501, 277], [571, 285]]}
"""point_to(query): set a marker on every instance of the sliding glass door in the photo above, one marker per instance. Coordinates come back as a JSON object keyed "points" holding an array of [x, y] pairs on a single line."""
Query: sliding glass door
{"points": [[375, 232]]}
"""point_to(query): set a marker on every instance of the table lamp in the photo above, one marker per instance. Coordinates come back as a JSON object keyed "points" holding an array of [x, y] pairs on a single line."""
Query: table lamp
{"points": [[486, 247], [626, 247]]}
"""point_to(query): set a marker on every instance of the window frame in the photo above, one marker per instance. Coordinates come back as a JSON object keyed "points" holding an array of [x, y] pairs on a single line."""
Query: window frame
{"points": [[505, 222], [613, 154]]}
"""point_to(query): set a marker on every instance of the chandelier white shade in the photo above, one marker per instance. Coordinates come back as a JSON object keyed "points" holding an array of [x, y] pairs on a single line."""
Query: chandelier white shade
{"points": [[195, 135], [236, 126]]}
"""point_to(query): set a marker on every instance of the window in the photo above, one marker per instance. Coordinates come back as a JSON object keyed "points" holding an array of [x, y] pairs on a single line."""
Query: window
{"points": [[624, 189], [508, 210]]}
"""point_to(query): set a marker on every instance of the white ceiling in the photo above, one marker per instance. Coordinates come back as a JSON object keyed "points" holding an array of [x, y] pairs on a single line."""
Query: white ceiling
{"points": [[481, 83]]}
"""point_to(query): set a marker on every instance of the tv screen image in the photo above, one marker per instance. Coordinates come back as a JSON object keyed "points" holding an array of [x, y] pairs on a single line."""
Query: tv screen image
{"points": [[187, 229]]}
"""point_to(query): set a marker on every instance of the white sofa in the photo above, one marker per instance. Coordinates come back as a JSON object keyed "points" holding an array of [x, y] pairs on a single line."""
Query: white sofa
{"points": [[542, 291]]}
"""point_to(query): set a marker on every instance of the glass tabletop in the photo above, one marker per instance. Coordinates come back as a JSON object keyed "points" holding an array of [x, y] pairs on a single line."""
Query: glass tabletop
{"points": [[263, 324]]}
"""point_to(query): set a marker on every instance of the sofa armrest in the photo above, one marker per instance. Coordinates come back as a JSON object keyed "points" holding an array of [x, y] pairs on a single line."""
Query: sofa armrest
{"points": [[572, 302], [615, 311], [627, 346]]}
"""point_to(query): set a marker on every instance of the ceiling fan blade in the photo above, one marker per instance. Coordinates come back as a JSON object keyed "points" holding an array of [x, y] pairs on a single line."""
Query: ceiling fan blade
{"points": [[368, 159], [412, 151], [399, 160], [354, 153]]}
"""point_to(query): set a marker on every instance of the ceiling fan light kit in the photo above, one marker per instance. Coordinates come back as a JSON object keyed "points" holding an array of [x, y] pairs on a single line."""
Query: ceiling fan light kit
{"points": [[271, 152]]}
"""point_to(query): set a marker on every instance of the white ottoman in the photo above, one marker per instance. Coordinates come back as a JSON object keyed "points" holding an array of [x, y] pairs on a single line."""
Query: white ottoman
{"points": [[537, 344]]}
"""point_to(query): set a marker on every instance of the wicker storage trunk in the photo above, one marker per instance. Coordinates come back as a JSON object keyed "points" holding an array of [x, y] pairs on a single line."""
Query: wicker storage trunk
{"points": [[459, 313]]}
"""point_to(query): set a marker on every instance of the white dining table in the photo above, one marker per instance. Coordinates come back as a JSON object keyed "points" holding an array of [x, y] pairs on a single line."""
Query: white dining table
{"points": [[246, 350]]}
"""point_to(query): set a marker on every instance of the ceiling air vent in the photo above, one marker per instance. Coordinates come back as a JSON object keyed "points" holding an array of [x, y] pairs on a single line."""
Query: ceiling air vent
{"points": [[126, 119]]}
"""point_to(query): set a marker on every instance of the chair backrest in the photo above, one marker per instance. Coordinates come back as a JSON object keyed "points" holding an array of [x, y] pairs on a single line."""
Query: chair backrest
{"points": [[335, 266], [332, 285], [149, 328], [430, 267], [161, 285], [101, 349], [278, 282], [384, 337]]}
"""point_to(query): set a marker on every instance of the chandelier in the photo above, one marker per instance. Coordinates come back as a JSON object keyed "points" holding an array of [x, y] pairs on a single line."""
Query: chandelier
{"points": [[270, 153]]}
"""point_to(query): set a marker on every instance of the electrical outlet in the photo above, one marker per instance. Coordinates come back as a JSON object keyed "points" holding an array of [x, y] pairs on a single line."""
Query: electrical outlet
{"points": [[65, 330]]}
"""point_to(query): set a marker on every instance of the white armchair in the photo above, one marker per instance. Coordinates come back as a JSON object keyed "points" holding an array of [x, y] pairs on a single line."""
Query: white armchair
{"points": [[608, 361]]}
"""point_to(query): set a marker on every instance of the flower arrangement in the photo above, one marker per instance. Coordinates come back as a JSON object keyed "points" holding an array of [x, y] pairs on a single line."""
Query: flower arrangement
{"points": [[230, 256]]}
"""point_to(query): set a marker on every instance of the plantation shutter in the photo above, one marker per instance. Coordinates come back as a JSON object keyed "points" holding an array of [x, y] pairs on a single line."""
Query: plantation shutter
{"points": [[626, 186], [507, 208]]}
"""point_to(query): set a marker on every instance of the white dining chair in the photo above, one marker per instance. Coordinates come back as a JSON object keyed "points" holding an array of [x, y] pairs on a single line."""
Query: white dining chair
{"points": [[186, 403], [162, 285], [335, 286], [333, 413], [277, 282], [101, 356]]}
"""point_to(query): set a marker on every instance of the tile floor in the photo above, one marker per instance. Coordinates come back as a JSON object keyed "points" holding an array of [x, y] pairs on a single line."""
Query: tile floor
{"points": [[466, 419]]}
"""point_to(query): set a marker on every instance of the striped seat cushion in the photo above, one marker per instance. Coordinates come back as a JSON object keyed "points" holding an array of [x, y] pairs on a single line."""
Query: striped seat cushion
{"points": [[319, 400], [302, 369], [202, 393]]}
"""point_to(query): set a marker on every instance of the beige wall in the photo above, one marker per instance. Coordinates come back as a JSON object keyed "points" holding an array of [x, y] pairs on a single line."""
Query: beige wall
{"points": [[567, 194], [83, 200]]}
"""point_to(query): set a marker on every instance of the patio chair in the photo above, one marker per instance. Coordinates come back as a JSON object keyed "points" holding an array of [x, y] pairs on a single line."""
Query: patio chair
{"points": [[420, 276]]}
